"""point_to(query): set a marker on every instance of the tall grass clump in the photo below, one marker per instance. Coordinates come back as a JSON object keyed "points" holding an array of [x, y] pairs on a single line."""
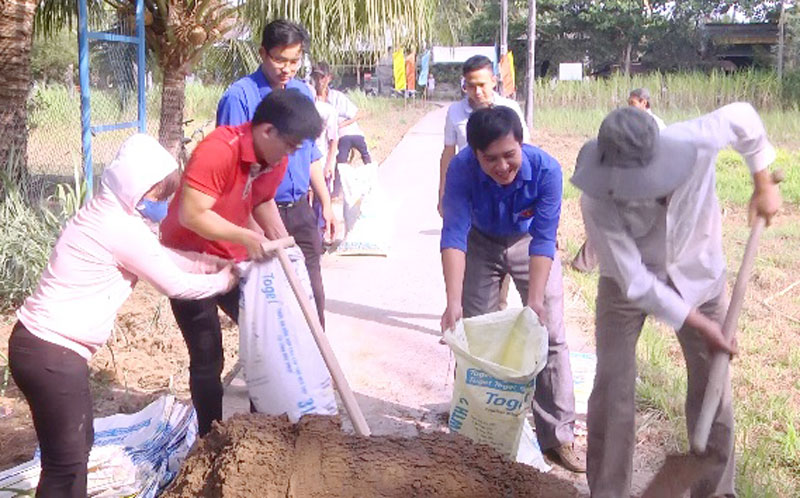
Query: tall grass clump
{"points": [[31, 224], [670, 91]]}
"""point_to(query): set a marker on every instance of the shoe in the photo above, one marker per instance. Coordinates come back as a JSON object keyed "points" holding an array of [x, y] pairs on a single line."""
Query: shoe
{"points": [[565, 456]]}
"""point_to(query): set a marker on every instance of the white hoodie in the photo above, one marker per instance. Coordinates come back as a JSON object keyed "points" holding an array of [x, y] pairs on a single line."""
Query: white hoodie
{"points": [[102, 252]]}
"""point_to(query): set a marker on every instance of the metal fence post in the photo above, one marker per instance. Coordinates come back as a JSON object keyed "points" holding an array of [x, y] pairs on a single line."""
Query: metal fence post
{"points": [[86, 111]]}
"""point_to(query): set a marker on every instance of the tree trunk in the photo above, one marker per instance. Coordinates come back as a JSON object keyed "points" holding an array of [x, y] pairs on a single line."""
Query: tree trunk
{"points": [[628, 50], [170, 130], [530, 76], [16, 37]]}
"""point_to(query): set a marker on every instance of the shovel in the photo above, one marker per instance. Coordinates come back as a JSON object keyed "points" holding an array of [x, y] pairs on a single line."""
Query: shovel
{"points": [[679, 472]]}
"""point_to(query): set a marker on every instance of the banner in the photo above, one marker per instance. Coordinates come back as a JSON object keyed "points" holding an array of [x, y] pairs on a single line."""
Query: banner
{"points": [[424, 68], [399, 67], [411, 71], [507, 75]]}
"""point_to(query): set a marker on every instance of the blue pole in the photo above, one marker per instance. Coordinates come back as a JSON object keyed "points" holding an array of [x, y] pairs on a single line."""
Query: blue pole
{"points": [[86, 112], [141, 65]]}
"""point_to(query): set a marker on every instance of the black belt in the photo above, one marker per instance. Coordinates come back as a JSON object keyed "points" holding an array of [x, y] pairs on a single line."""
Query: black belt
{"points": [[302, 199]]}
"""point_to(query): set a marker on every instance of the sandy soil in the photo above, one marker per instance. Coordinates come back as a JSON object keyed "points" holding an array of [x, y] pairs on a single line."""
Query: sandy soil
{"points": [[254, 455]]}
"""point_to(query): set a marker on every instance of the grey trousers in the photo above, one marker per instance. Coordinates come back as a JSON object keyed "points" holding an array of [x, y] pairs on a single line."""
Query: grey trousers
{"points": [[612, 410], [489, 259]]}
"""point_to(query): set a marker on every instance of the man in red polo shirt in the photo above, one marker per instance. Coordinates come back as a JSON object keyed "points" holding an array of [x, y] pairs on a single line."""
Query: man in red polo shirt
{"points": [[225, 200]]}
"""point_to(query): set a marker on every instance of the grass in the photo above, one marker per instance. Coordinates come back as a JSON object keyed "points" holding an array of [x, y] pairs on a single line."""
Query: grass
{"points": [[783, 126], [672, 91]]}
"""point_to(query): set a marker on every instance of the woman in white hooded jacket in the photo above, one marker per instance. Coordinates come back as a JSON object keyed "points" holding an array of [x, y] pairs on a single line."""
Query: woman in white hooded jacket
{"points": [[101, 254]]}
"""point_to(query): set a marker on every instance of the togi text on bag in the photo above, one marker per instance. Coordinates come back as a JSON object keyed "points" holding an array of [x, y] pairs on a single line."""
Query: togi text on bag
{"points": [[498, 356], [282, 365]]}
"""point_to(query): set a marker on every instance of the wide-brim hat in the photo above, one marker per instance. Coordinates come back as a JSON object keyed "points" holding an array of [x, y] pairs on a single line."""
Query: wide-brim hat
{"points": [[632, 160]]}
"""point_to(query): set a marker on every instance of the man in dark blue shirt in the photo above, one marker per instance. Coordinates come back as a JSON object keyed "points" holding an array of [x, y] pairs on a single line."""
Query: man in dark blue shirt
{"points": [[501, 206], [281, 51]]}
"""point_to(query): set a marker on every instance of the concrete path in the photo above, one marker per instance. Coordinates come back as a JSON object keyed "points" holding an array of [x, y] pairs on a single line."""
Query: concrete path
{"points": [[383, 313]]}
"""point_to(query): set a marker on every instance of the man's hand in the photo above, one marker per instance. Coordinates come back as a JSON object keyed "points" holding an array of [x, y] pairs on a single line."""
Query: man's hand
{"points": [[330, 222], [711, 332], [253, 242], [451, 315], [766, 199], [538, 308]]}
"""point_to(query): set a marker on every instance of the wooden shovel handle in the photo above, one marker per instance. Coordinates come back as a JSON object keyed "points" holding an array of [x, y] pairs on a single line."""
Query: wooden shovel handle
{"points": [[348, 398], [720, 360]]}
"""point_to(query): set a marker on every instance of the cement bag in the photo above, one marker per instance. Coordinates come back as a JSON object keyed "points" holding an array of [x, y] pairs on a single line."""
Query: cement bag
{"points": [[498, 356], [366, 214], [136, 455], [282, 366]]}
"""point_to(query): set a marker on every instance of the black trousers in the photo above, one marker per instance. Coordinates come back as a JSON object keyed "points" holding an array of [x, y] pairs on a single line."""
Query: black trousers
{"points": [[301, 223], [199, 324], [55, 382], [349, 142]]}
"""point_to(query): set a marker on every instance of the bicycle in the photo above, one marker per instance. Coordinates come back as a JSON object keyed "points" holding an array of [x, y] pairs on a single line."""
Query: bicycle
{"points": [[183, 154]]}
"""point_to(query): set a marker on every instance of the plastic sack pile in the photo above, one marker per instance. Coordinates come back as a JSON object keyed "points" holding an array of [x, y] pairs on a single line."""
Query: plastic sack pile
{"points": [[366, 213], [498, 356], [282, 366], [134, 455]]}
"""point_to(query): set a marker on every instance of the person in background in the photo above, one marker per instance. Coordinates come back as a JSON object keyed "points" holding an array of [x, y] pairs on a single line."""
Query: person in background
{"points": [[479, 82], [585, 261], [650, 207], [281, 51], [640, 99], [226, 207], [328, 140], [501, 208], [350, 134], [431, 84], [101, 254]]}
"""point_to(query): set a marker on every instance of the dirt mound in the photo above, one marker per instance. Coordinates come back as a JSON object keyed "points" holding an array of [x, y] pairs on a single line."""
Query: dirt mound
{"points": [[256, 455]]}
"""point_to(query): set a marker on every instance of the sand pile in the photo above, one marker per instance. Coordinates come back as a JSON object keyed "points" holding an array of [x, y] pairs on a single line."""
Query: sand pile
{"points": [[256, 455]]}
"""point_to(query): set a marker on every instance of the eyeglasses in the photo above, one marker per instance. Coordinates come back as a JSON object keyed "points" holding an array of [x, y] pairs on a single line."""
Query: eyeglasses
{"points": [[282, 62]]}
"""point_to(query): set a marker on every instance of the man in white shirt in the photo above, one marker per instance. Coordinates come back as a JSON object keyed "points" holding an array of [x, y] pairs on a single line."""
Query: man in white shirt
{"points": [[640, 99], [651, 212], [479, 84]]}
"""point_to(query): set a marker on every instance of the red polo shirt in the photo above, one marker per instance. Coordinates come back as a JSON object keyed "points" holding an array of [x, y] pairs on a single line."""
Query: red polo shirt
{"points": [[220, 167]]}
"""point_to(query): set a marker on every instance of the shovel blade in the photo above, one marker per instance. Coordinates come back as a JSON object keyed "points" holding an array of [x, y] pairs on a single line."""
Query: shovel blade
{"points": [[677, 475]]}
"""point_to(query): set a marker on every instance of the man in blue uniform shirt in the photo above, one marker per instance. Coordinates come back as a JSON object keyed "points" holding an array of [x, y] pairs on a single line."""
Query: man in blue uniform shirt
{"points": [[281, 51], [501, 207]]}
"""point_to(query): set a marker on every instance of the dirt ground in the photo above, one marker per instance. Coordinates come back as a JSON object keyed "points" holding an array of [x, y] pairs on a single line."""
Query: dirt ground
{"points": [[255, 455]]}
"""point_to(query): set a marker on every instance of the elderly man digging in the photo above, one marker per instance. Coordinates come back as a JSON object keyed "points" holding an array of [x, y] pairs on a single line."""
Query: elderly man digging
{"points": [[652, 214]]}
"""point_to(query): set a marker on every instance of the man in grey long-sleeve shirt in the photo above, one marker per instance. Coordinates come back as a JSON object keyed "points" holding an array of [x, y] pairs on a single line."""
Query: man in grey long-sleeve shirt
{"points": [[652, 213]]}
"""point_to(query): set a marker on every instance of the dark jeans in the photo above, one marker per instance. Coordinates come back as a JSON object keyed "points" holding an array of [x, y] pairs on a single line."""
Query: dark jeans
{"points": [[55, 382], [301, 223], [350, 142], [199, 324]]}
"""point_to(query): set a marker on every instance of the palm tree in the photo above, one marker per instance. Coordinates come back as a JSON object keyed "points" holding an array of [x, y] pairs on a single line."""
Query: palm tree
{"points": [[350, 31], [178, 31], [16, 37]]}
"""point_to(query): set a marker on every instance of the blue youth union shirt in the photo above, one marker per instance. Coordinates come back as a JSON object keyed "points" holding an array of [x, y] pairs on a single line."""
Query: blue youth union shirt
{"points": [[238, 105], [530, 204]]}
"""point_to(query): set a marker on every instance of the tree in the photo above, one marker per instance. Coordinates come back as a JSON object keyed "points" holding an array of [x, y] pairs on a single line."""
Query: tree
{"points": [[16, 35], [350, 31]]}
